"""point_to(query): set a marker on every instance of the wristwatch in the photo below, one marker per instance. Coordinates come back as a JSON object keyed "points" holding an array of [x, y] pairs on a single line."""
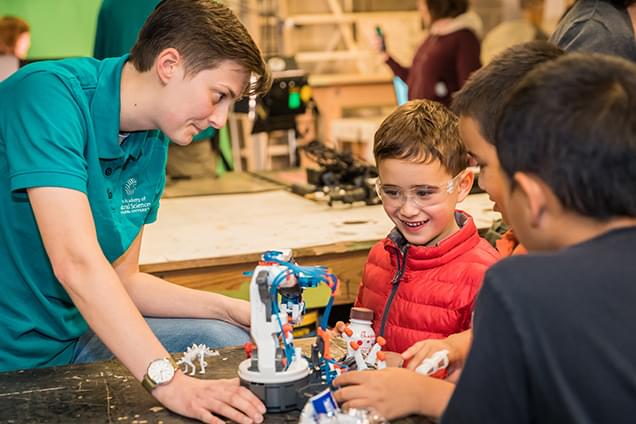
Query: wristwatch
{"points": [[160, 371]]}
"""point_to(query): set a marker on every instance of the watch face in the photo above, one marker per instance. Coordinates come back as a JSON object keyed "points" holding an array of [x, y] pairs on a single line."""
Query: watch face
{"points": [[160, 371]]}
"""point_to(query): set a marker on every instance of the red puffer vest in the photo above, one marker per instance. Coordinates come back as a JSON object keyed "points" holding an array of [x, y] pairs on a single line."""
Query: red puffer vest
{"points": [[431, 293]]}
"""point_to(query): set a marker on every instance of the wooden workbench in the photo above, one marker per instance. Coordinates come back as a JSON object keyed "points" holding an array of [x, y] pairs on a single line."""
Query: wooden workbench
{"points": [[105, 392], [207, 242]]}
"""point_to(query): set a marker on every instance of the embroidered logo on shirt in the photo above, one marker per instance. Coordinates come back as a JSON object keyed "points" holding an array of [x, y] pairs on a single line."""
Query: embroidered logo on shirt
{"points": [[130, 186], [133, 205]]}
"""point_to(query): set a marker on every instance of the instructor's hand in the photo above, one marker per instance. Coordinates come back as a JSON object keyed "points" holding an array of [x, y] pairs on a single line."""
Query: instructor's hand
{"points": [[206, 400]]}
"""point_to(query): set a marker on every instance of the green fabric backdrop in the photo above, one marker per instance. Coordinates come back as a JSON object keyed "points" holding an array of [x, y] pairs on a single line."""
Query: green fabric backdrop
{"points": [[59, 28]]}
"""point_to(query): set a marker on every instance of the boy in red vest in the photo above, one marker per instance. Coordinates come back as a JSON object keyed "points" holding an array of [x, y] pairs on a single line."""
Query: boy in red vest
{"points": [[421, 281]]}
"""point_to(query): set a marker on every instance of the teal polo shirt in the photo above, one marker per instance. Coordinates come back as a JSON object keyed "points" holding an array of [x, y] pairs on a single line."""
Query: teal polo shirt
{"points": [[59, 127]]}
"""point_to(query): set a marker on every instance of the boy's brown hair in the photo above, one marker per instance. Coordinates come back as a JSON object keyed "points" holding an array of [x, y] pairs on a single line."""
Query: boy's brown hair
{"points": [[205, 33], [11, 28], [421, 131]]}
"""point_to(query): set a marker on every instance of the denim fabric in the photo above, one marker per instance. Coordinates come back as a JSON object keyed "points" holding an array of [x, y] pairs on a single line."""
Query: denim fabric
{"points": [[176, 334]]}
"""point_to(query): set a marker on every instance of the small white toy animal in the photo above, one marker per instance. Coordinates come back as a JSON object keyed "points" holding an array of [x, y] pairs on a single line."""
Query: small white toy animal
{"points": [[194, 352]]}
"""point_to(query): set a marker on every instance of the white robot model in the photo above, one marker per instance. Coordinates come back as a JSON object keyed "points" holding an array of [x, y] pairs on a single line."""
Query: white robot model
{"points": [[277, 371]]}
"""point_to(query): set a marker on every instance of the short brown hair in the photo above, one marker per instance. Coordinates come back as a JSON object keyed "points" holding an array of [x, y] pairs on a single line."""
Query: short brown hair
{"points": [[11, 28], [205, 33], [421, 131], [439, 9]]}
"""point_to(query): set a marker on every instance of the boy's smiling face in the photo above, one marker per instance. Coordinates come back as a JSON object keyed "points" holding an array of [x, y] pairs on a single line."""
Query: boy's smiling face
{"points": [[491, 177], [422, 219]]}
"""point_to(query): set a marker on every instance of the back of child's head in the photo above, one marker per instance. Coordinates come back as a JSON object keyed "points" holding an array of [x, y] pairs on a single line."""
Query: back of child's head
{"points": [[421, 131], [205, 33], [483, 95], [571, 122]]}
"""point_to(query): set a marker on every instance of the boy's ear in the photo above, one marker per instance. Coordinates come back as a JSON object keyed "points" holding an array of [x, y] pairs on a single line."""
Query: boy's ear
{"points": [[465, 184], [534, 194], [167, 64]]}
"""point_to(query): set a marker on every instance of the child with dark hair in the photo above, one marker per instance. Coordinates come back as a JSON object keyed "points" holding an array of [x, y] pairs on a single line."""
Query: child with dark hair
{"points": [[478, 104], [448, 55], [601, 26], [552, 330]]}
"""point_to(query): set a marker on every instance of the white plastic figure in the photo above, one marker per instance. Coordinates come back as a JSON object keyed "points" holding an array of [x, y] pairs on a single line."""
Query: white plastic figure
{"points": [[434, 363], [203, 352], [377, 347], [188, 356], [381, 362], [194, 352], [357, 354]]}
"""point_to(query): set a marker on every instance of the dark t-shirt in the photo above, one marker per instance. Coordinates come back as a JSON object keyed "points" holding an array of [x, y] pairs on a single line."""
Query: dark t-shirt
{"points": [[596, 26], [555, 338]]}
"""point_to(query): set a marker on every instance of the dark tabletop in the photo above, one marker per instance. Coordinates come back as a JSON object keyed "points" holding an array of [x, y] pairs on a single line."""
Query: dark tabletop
{"points": [[104, 392]]}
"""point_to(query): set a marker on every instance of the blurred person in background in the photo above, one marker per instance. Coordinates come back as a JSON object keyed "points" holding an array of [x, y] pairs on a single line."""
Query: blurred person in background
{"points": [[601, 26], [15, 40], [448, 55], [527, 26]]}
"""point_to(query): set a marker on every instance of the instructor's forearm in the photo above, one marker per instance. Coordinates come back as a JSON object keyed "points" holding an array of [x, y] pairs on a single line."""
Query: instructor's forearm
{"points": [[159, 298], [103, 302]]}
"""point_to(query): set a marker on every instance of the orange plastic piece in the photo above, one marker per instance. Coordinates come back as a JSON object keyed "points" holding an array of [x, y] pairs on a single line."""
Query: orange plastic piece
{"points": [[348, 331], [355, 345], [381, 356], [249, 348], [326, 343], [380, 340]]}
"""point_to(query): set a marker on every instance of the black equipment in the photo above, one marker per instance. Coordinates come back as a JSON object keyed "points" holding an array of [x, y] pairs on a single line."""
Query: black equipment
{"points": [[341, 177]]}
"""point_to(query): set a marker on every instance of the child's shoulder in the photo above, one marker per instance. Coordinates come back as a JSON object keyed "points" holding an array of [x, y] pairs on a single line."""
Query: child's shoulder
{"points": [[477, 259], [474, 247], [482, 253]]}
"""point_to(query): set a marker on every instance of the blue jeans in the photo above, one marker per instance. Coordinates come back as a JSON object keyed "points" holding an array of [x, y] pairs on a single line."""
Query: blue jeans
{"points": [[176, 334]]}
